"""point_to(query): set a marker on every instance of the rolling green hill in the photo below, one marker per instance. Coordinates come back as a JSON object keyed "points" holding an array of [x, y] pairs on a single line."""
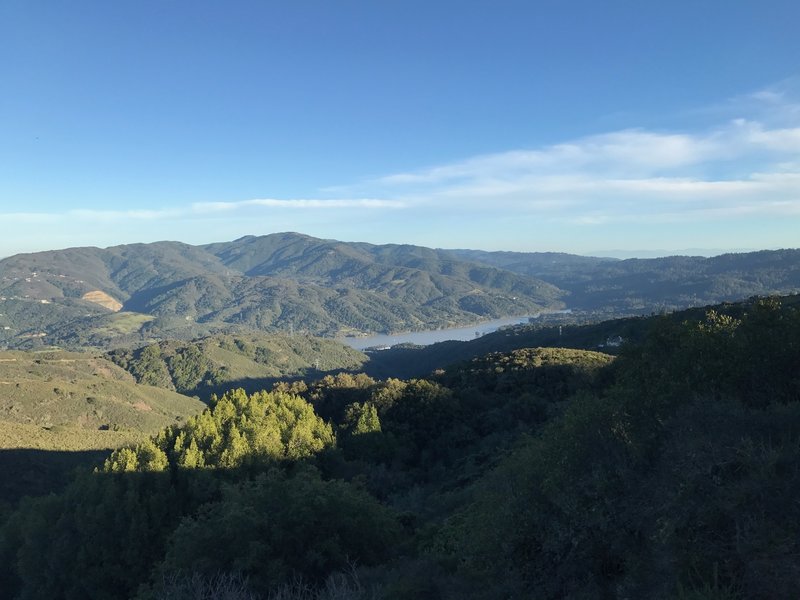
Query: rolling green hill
{"points": [[282, 282], [218, 363]]}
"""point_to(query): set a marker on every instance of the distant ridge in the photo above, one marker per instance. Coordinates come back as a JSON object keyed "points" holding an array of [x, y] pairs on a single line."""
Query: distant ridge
{"points": [[290, 282], [616, 287], [282, 282]]}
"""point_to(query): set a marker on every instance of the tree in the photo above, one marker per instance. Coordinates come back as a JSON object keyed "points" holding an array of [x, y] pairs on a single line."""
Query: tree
{"points": [[282, 526]]}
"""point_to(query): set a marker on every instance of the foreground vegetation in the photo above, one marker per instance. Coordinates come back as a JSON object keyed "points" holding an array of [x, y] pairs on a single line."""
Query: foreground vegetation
{"points": [[666, 472]]}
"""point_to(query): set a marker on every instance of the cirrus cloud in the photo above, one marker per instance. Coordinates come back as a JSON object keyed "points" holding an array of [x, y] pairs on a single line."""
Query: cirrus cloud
{"points": [[296, 204]]}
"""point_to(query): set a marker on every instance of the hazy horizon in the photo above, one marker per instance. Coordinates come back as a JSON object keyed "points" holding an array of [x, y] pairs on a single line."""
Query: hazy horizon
{"points": [[604, 253]]}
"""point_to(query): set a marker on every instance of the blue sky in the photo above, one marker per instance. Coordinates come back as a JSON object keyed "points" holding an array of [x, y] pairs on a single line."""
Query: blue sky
{"points": [[586, 127]]}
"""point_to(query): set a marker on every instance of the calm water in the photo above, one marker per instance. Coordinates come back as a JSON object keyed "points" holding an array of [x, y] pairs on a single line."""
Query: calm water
{"points": [[423, 338]]}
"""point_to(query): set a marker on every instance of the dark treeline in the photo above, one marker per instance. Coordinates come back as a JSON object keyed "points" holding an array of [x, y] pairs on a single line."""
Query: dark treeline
{"points": [[669, 471]]}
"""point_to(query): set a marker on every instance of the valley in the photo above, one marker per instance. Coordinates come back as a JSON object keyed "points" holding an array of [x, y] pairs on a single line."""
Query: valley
{"points": [[187, 389]]}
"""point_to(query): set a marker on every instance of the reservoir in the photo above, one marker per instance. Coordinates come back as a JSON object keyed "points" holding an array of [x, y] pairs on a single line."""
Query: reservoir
{"points": [[424, 338]]}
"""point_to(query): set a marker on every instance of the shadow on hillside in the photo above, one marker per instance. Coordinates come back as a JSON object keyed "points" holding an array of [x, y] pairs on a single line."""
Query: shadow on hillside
{"points": [[29, 472], [257, 384], [140, 301]]}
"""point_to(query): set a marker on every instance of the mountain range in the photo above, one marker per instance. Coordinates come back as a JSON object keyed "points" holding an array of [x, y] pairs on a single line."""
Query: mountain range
{"points": [[641, 285], [283, 282], [289, 282]]}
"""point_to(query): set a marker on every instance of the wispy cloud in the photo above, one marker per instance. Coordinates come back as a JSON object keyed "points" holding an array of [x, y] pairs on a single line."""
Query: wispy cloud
{"points": [[773, 105], [630, 151], [124, 215], [621, 152], [747, 163], [23, 218], [742, 166], [200, 209], [296, 204]]}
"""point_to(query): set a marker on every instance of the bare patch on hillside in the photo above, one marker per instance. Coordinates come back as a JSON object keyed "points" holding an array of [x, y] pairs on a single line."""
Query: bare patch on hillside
{"points": [[103, 300]]}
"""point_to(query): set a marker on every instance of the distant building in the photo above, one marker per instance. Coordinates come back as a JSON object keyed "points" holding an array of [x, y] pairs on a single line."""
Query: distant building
{"points": [[612, 342]]}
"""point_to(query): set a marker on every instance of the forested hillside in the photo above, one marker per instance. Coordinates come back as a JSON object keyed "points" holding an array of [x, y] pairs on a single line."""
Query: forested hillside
{"points": [[215, 364], [664, 472], [414, 361], [280, 282], [609, 286], [129, 295]]}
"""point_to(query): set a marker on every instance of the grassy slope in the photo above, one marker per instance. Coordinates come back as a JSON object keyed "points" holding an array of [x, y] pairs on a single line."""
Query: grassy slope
{"points": [[73, 439], [59, 400]]}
